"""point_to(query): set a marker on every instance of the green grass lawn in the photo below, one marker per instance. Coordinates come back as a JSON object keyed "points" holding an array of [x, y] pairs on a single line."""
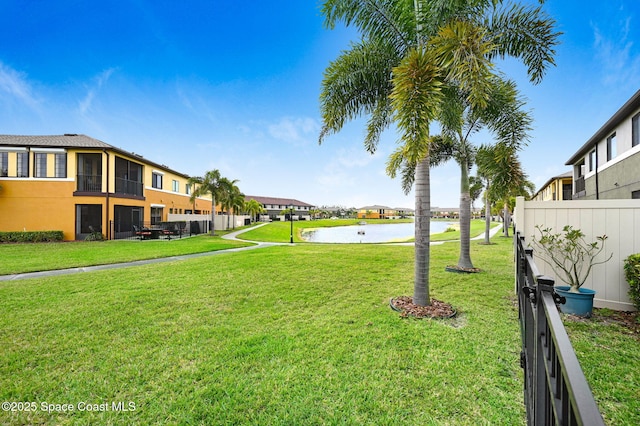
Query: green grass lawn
{"points": [[298, 334], [609, 354], [283, 335], [20, 258]]}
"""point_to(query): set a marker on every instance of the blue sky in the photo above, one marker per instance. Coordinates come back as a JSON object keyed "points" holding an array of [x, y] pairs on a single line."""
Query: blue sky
{"points": [[230, 85]]}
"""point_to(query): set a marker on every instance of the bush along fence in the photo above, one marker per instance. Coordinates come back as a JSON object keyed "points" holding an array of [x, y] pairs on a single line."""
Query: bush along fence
{"points": [[158, 230], [632, 274], [30, 236], [556, 391]]}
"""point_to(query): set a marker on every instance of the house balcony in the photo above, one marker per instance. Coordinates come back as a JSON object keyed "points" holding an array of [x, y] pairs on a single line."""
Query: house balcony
{"points": [[89, 183], [128, 187]]}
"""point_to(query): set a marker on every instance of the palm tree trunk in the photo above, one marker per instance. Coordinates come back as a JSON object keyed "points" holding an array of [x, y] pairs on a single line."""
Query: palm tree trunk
{"points": [[464, 260], [506, 219], [422, 234], [487, 215], [213, 215]]}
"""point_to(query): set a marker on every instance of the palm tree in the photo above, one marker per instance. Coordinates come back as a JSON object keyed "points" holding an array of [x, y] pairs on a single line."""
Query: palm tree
{"points": [[475, 189], [500, 167], [408, 53], [254, 208], [237, 199], [228, 189], [208, 185], [503, 117]]}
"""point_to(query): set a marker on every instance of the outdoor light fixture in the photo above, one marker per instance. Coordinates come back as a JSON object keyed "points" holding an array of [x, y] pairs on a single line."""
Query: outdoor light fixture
{"points": [[291, 219]]}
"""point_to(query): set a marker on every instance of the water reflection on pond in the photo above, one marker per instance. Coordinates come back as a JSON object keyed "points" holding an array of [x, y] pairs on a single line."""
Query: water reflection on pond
{"points": [[369, 233]]}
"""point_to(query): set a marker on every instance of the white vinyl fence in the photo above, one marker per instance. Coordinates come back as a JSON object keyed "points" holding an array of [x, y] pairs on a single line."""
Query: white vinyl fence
{"points": [[223, 221], [618, 219]]}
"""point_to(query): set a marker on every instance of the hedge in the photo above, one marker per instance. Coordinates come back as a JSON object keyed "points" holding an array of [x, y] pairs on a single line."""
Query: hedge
{"points": [[632, 274], [30, 236]]}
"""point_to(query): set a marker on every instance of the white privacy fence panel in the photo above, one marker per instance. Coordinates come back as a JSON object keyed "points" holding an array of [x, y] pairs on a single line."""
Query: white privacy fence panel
{"points": [[618, 219], [222, 221]]}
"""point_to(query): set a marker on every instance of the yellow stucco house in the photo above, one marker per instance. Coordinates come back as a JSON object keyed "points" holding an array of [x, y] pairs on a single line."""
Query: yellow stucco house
{"points": [[557, 188], [76, 184]]}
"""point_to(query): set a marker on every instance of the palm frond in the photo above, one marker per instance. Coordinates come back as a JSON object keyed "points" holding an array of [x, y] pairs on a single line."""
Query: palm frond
{"points": [[461, 49], [357, 83], [527, 33], [390, 20]]}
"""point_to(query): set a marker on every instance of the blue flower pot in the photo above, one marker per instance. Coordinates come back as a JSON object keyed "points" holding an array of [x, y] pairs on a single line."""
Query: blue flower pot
{"points": [[580, 304]]}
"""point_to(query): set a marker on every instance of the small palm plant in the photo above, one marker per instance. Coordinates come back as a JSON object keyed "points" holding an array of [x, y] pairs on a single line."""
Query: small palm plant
{"points": [[570, 253]]}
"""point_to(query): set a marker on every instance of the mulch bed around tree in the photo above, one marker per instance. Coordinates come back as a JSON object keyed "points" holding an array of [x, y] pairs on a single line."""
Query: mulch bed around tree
{"points": [[461, 270], [437, 309]]}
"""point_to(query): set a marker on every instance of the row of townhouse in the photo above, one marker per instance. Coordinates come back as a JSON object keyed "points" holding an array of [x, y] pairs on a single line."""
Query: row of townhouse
{"points": [[281, 208], [78, 184], [383, 212], [607, 165]]}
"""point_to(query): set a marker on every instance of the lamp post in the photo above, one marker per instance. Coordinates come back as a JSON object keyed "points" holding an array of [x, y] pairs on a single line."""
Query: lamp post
{"points": [[291, 219]]}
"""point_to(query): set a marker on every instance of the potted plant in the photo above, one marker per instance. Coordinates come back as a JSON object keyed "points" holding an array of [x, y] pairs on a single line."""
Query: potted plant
{"points": [[572, 257]]}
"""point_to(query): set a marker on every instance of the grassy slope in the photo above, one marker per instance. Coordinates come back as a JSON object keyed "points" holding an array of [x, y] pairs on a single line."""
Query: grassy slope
{"points": [[18, 258], [293, 335]]}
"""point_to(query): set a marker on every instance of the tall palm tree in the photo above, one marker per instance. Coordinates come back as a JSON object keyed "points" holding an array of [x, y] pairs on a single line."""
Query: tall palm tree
{"points": [[503, 116], [409, 51], [207, 185]]}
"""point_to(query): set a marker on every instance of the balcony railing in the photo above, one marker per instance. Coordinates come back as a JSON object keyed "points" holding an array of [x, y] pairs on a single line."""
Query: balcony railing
{"points": [[89, 183], [128, 187]]}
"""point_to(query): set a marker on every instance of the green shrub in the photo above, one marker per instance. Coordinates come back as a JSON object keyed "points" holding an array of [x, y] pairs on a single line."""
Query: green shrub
{"points": [[632, 274], [30, 236]]}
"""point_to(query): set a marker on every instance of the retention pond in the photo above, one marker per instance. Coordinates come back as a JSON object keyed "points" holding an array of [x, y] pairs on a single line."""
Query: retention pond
{"points": [[369, 233]]}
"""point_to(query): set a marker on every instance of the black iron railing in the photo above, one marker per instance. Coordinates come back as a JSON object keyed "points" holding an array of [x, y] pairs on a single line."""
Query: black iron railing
{"points": [[89, 183], [555, 389], [128, 187], [159, 230]]}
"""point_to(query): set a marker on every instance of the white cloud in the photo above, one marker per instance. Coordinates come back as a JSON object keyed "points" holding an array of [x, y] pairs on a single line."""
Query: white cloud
{"points": [[616, 52], [16, 85], [296, 131], [98, 81]]}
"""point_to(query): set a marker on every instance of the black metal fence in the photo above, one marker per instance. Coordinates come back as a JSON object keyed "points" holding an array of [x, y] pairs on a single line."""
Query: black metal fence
{"points": [[159, 230], [555, 389]]}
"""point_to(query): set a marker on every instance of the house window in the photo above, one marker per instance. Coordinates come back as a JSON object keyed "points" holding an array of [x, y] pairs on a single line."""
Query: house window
{"points": [[187, 189], [592, 160], [23, 164], [4, 164], [156, 180], [156, 215], [40, 165], [60, 165], [611, 147], [175, 186], [635, 130]]}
